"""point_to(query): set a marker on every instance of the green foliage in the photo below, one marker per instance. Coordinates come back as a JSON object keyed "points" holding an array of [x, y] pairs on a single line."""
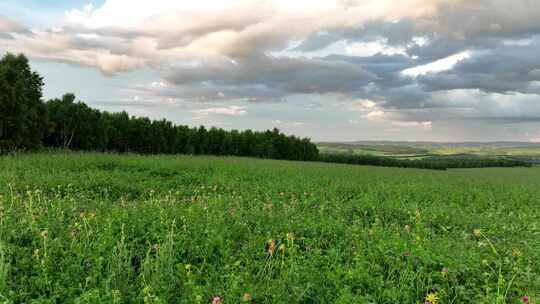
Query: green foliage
{"points": [[434, 164], [75, 125], [78, 127], [23, 117], [4, 274], [94, 228]]}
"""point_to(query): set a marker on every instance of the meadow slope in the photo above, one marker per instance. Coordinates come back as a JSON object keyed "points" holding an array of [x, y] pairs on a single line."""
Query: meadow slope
{"points": [[97, 228]]}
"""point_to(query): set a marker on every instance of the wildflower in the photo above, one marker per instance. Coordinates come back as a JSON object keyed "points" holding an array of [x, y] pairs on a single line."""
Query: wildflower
{"points": [[290, 237], [74, 232], [216, 300], [516, 253], [432, 298], [271, 247], [247, 298], [444, 272], [477, 232], [525, 299], [407, 228], [44, 234]]}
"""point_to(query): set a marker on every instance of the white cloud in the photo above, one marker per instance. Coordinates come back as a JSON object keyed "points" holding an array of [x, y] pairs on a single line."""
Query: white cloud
{"points": [[438, 66], [376, 115], [364, 104], [289, 124], [227, 111], [380, 46], [138, 33], [158, 84], [518, 42], [414, 124]]}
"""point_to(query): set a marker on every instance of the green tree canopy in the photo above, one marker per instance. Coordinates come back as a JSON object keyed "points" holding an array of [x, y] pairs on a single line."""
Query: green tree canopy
{"points": [[23, 117]]}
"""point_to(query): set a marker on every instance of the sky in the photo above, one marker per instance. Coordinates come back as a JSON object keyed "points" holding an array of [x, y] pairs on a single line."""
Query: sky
{"points": [[330, 70]]}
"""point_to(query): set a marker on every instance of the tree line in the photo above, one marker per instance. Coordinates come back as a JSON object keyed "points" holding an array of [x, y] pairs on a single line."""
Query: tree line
{"points": [[372, 160], [27, 123], [79, 127], [440, 163]]}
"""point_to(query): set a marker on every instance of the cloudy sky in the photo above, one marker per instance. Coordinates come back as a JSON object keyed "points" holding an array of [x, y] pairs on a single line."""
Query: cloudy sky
{"points": [[333, 70]]}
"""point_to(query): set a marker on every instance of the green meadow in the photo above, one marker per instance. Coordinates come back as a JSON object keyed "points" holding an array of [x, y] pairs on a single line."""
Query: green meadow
{"points": [[106, 228], [430, 148]]}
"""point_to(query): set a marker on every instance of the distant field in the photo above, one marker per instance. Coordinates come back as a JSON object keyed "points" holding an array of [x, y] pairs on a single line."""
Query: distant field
{"points": [[94, 228], [415, 150], [388, 150]]}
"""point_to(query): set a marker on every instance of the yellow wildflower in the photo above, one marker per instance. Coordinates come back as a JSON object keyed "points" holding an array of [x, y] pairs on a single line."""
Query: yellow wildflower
{"points": [[290, 237], [432, 298], [246, 298], [271, 247]]}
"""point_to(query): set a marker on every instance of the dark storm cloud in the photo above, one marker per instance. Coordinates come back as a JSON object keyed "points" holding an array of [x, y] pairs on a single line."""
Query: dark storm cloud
{"points": [[404, 97], [204, 92], [283, 74], [505, 68], [266, 77], [386, 68], [396, 33]]}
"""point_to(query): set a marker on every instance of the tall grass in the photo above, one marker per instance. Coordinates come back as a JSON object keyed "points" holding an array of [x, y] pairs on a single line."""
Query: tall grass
{"points": [[93, 228]]}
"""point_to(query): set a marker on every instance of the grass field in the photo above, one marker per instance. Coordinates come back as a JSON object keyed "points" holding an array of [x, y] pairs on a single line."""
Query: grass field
{"points": [[91, 228], [529, 152]]}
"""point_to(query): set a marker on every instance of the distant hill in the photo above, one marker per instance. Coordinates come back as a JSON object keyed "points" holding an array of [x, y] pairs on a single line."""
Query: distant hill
{"points": [[497, 144], [436, 150]]}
